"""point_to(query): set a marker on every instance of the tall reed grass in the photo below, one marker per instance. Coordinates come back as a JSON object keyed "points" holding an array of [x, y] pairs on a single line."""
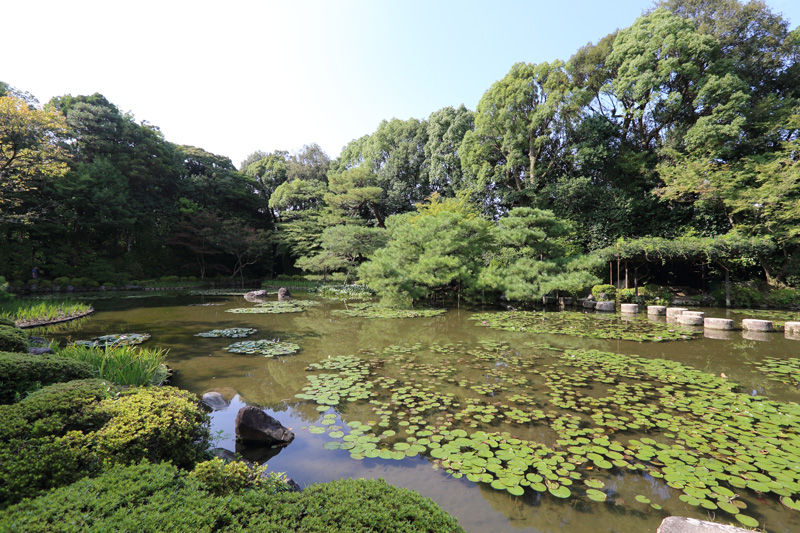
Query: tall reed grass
{"points": [[22, 311], [124, 365]]}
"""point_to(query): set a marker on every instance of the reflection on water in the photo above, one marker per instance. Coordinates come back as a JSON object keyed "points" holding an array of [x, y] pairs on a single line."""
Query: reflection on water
{"points": [[202, 365]]}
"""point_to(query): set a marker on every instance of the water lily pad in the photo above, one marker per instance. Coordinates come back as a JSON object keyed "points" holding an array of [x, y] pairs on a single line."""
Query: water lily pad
{"points": [[267, 348]]}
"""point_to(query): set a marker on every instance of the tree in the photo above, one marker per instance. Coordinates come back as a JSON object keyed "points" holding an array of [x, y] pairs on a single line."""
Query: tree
{"points": [[533, 259], [356, 191], [446, 130], [30, 153], [246, 244], [436, 251], [519, 132], [344, 247]]}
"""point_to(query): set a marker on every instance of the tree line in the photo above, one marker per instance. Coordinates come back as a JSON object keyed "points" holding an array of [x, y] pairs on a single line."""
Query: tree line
{"points": [[683, 125]]}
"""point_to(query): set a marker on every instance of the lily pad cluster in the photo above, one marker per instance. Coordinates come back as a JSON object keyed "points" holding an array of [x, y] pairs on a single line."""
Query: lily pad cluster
{"points": [[778, 369], [267, 348], [562, 421], [233, 333], [116, 339], [584, 325], [347, 292], [371, 310], [778, 318]]}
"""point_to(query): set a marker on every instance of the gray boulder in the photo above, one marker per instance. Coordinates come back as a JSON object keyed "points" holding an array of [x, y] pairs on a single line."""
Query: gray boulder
{"points": [[283, 294], [39, 350], [215, 400], [255, 426]]}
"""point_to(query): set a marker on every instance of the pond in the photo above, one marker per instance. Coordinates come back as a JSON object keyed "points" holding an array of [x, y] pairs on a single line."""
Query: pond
{"points": [[506, 429]]}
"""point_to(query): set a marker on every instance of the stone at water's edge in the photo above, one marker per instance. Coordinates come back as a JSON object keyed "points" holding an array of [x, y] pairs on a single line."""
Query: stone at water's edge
{"points": [[255, 426], [605, 306], [283, 294], [656, 310], [629, 308], [255, 296], [792, 330], [753, 324], [39, 350], [725, 324], [680, 524], [215, 400]]}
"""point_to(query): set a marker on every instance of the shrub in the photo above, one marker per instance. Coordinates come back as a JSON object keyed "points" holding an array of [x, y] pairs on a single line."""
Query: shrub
{"points": [[742, 295], [63, 281], [92, 284], [7, 321], [109, 284], [147, 497], [169, 279], [783, 297], [78, 282], [21, 373], [220, 478], [13, 339], [156, 423], [45, 446], [604, 292], [45, 284]]}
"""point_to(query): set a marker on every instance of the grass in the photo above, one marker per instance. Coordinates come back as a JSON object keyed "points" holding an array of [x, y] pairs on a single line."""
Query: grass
{"points": [[124, 365], [22, 311]]}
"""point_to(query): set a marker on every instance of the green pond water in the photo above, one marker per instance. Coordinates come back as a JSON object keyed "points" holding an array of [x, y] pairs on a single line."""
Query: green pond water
{"points": [[506, 429]]}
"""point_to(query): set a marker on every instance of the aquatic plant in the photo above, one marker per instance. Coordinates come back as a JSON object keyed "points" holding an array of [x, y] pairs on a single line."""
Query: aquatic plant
{"points": [[346, 292], [371, 310], [779, 369], [25, 312], [288, 306], [123, 364], [233, 333], [607, 413], [267, 348], [589, 325], [114, 340]]}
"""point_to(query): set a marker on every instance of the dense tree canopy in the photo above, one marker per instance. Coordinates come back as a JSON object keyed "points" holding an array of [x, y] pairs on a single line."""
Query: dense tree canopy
{"points": [[682, 126]]}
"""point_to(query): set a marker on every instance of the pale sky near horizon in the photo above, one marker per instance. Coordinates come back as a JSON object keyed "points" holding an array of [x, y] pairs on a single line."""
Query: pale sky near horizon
{"points": [[239, 76]]}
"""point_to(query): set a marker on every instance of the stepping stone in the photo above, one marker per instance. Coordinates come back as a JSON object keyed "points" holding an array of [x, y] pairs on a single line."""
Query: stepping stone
{"points": [[606, 306], [675, 311], [753, 324], [689, 320], [629, 308], [718, 323], [656, 310]]}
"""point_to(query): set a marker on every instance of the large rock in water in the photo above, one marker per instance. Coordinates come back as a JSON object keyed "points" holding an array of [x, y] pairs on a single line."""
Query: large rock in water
{"points": [[283, 294], [256, 426]]}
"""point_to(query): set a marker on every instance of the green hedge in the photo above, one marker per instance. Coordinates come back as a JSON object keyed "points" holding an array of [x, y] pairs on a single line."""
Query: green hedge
{"points": [[148, 497], [609, 290], [67, 431], [21, 373], [13, 339]]}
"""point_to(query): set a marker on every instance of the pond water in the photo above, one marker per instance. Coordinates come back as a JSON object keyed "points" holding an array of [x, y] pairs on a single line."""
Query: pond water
{"points": [[427, 401]]}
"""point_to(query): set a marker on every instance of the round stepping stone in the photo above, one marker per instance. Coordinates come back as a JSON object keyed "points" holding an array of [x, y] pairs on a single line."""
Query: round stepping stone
{"points": [[689, 320], [701, 314], [629, 308], [675, 311], [656, 310], [754, 324], [724, 324], [792, 330]]}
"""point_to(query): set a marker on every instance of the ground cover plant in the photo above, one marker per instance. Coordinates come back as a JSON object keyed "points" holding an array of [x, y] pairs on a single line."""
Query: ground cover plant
{"points": [[267, 348], [372, 310], [156, 497], [591, 325], [66, 431], [232, 333], [565, 423], [123, 364], [13, 339]]}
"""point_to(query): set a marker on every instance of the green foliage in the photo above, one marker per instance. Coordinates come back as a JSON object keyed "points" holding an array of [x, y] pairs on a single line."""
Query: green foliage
{"points": [[70, 430], [156, 423], [62, 281], [20, 373], [148, 497], [222, 478], [608, 290], [742, 295], [783, 297], [26, 311], [13, 339], [122, 364]]}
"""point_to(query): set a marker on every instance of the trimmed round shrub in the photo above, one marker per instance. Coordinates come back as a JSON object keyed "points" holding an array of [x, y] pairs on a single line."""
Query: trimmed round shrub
{"points": [[604, 293], [13, 339], [78, 282], [147, 497], [21, 373], [62, 281], [156, 423]]}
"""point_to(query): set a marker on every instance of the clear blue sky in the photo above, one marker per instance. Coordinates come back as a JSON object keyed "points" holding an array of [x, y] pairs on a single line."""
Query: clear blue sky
{"points": [[236, 76]]}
